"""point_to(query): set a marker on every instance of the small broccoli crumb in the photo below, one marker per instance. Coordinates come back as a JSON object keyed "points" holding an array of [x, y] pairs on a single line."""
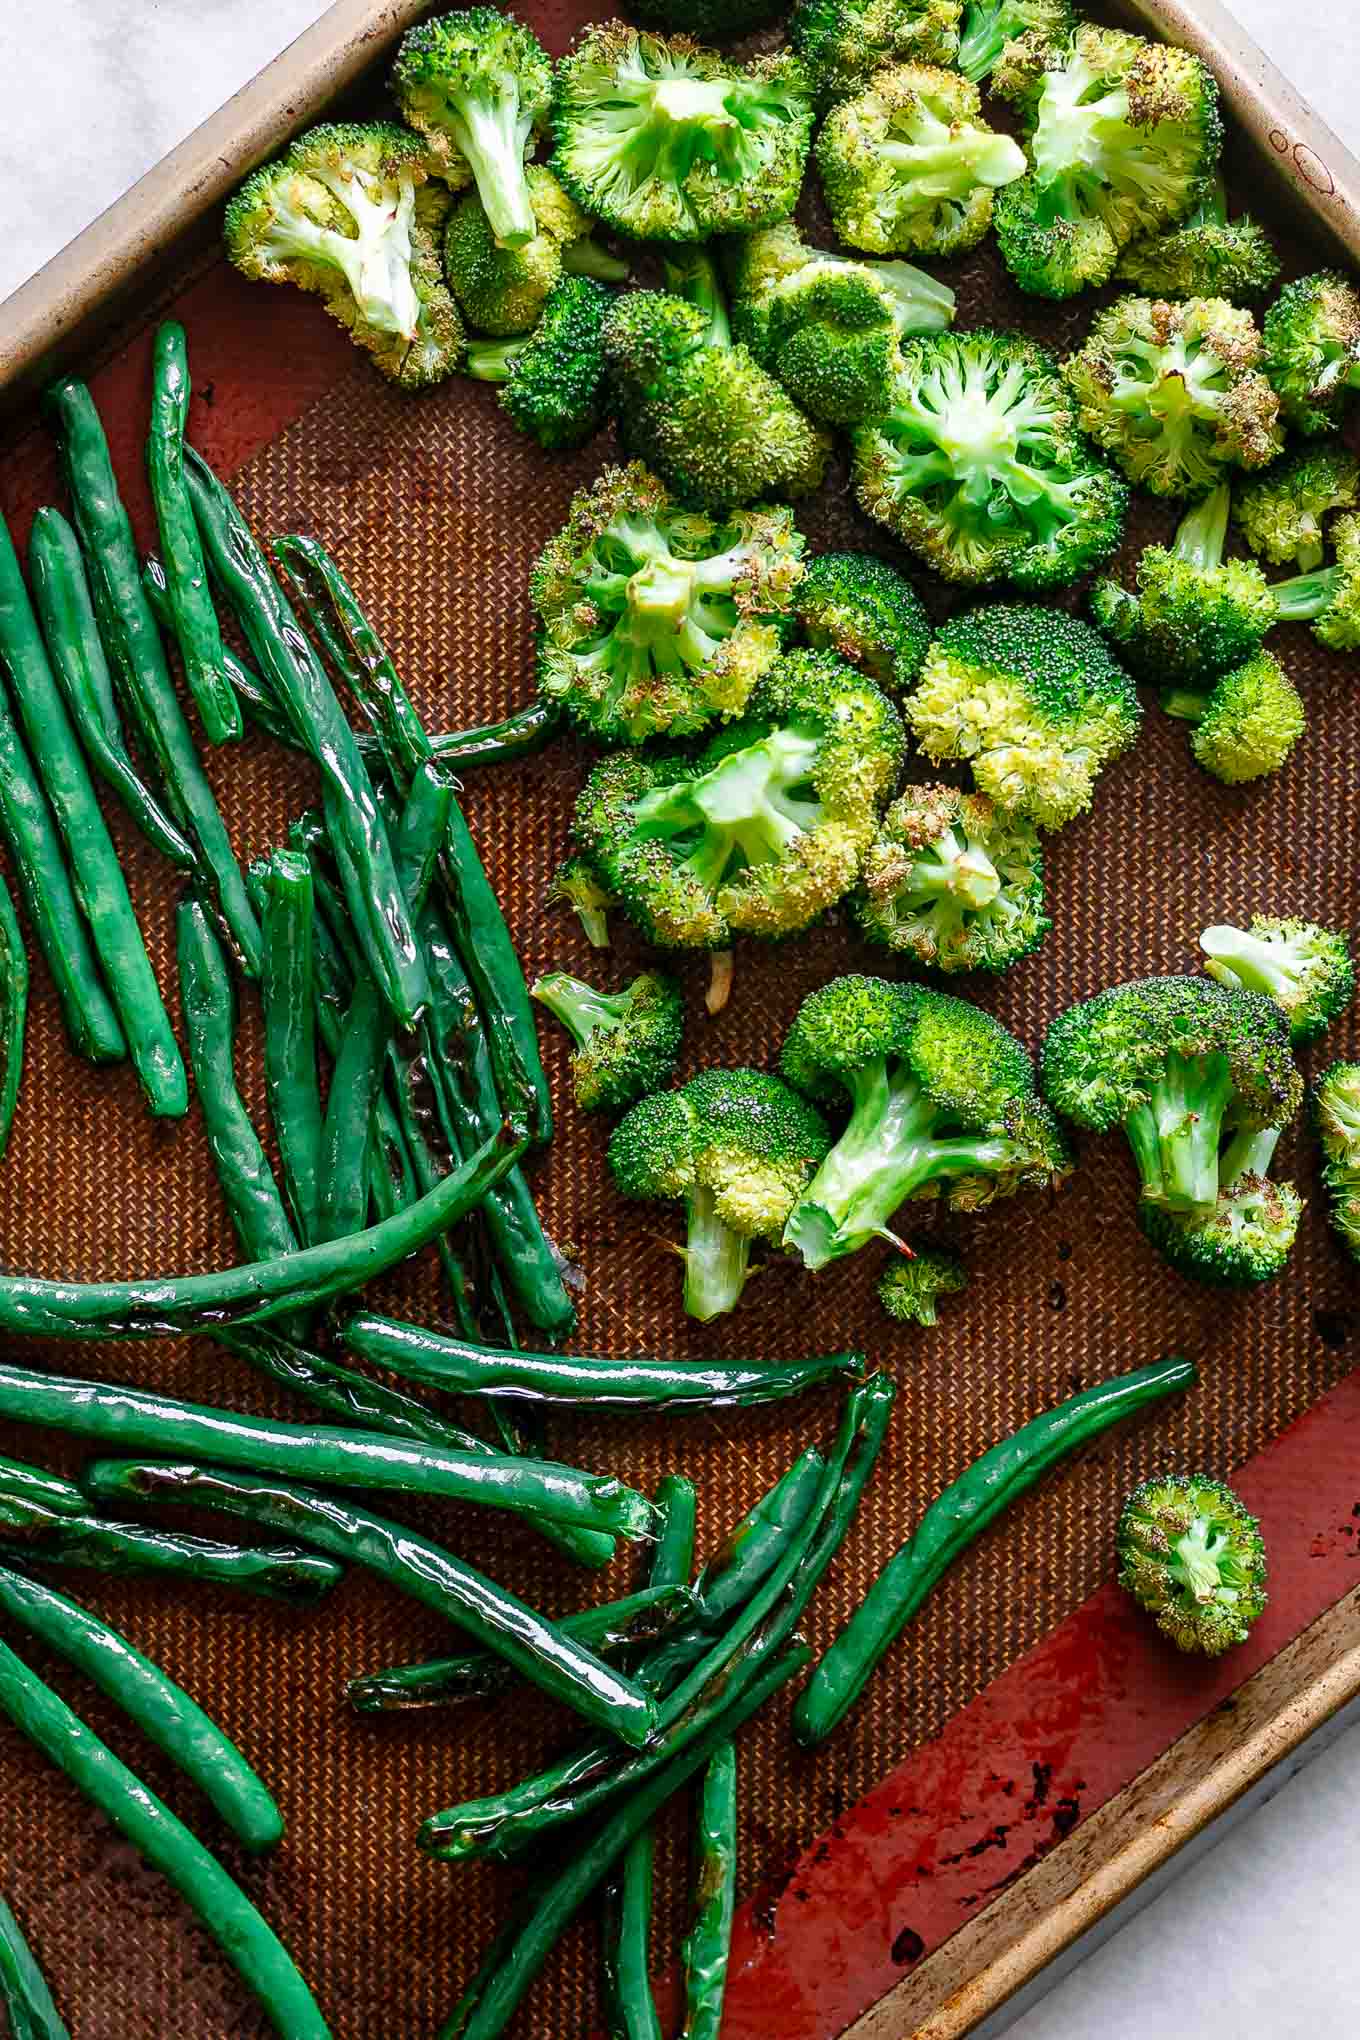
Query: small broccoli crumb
{"points": [[627, 1043], [1193, 1556], [913, 1282], [576, 885], [1312, 350]]}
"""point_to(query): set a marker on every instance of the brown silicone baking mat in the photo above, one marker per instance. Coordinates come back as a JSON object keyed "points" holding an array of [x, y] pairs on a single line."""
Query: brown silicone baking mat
{"points": [[436, 508]]}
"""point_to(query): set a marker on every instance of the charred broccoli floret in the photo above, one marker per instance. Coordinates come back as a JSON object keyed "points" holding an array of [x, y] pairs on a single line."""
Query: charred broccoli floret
{"points": [[667, 141], [1312, 349], [979, 466], [701, 411], [991, 26], [627, 1043], [1029, 698], [912, 1283], [348, 212], [845, 43], [576, 884], [1193, 1556], [951, 883], [735, 1147], [764, 828], [1206, 256], [1122, 135], [1247, 726], [909, 166], [1195, 616], [865, 612], [1305, 969], [1250, 1233], [502, 290], [1175, 392], [553, 379], [1179, 1063], [1336, 1115], [942, 1104], [1282, 513]]}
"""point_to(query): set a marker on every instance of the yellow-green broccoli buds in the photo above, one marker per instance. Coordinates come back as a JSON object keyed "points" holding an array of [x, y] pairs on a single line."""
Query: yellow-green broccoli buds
{"points": [[576, 884], [501, 289], [1249, 1234], [911, 1284], [553, 379], [1282, 514], [1248, 725], [1336, 1115], [989, 27], [1194, 1557], [868, 614], [1312, 349], [845, 43], [1207, 255], [1196, 615], [951, 883]]}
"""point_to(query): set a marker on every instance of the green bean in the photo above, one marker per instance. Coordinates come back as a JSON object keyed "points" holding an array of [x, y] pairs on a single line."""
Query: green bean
{"points": [[194, 619], [92, 1544], [630, 2007], [708, 1945], [139, 1420], [134, 646], [35, 1487], [463, 1368], [516, 736], [291, 1082], [250, 692], [251, 1946], [23, 1987], [953, 1520], [558, 1899], [534, 1646], [298, 680], [161, 1709], [443, 1682], [169, 1305], [13, 1010], [488, 956], [673, 1552], [62, 594], [749, 1552]]}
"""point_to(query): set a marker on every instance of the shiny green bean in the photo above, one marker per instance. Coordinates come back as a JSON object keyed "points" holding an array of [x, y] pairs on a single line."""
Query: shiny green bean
{"points": [[489, 958], [290, 1072], [36, 1488], [630, 2008], [707, 1947], [89, 1543], [13, 1011], [23, 1987], [516, 736], [673, 1552]]}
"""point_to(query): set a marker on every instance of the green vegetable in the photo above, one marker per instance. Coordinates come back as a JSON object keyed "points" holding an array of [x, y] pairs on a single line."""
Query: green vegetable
{"points": [[1281, 513], [290, 1036], [845, 43], [989, 26], [1194, 1557], [1305, 969], [248, 1943], [1248, 1235], [552, 381], [831, 331], [1330, 598], [188, 596], [708, 1944], [93, 1544], [1248, 726], [911, 1285], [673, 1552], [533, 1646], [576, 885], [13, 1011], [1196, 615], [953, 1520], [626, 1042], [953, 883], [630, 2008], [23, 1987], [1205, 256], [1336, 1115], [517, 735], [32, 1487], [500, 285], [1312, 349], [478, 84], [868, 614]]}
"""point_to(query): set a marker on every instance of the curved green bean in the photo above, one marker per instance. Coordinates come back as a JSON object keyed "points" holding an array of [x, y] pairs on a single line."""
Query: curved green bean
{"points": [[194, 619], [168, 1305], [515, 736], [630, 2008], [250, 1945], [254, 698], [953, 1520], [278, 1572], [23, 1987], [35, 1487], [535, 1647], [673, 1552], [162, 1710], [13, 1010], [708, 1945], [62, 594], [290, 1070]]}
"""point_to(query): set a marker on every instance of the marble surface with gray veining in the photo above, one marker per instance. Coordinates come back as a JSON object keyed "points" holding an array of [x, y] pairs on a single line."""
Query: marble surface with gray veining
{"points": [[1259, 1940]]}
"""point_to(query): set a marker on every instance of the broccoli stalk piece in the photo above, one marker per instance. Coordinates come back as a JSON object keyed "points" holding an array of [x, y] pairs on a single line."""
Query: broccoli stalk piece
{"points": [[349, 213], [1336, 1115], [909, 166], [979, 466], [1207, 256], [627, 1043], [1330, 598], [502, 290], [1281, 513], [553, 378], [1248, 725], [1305, 969], [865, 612], [1250, 1233], [1175, 392], [1312, 350], [477, 84], [1193, 1556], [1032, 700], [990, 26], [942, 1104], [1177, 1062], [1195, 616], [845, 43], [665, 140], [656, 620], [913, 1281], [575, 885], [735, 1147], [951, 883]]}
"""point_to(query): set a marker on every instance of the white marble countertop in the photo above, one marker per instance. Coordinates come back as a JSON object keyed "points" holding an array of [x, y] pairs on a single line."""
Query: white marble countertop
{"points": [[1256, 1940]]}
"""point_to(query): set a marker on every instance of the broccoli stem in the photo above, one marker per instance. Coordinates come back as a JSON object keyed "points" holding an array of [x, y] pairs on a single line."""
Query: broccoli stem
{"points": [[982, 41], [582, 1010], [922, 303], [716, 1260], [1307, 596], [1239, 958], [585, 256], [1250, 1152], [1203, 535], [1195, 1560], [1175, 1136], [1185, 703], [692, 274], [492, 360], [495, 152], [955, 871]]}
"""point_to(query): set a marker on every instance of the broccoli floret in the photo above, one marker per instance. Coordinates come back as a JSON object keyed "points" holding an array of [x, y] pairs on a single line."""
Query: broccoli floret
{"points": [[832, 333], [951, 883], [736, 1147], [1305, 969], [1330, 598], [942, 1104], [502, 290], [865, 612], [1336, 1115], [477, 84], [979, 466], [990, 26], [706, 20], [845, 43], [1248, 725], [1250, 1233], [701, 411], [1281, 513], [1178, 1062], [576, 884], [655, 620], [1207, 256], [909, 165], [348, 213], [768, 267], [553, 379], [1122, 136], [1312, 350], [1175, 393], [665, 140], [627, 1043], [765, 828], [1032, 700], [1193, 1556], [912, 1282], [1195, 616]]}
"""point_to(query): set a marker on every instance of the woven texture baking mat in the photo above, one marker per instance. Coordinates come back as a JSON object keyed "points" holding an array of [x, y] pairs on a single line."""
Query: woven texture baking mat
{"points": [[435, 508]]}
